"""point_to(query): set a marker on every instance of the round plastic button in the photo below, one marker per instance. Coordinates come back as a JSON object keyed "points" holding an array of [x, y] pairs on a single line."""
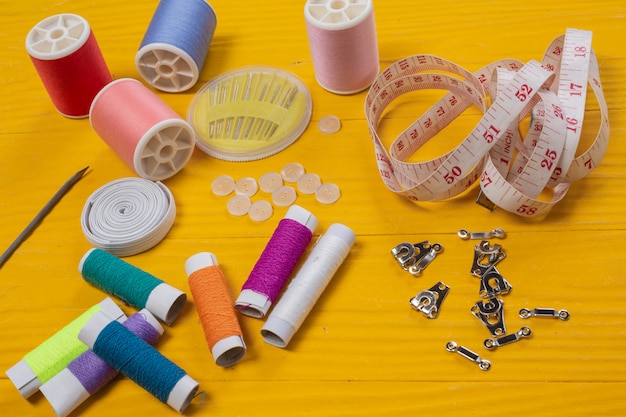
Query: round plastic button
{"points": [[292, 172], [327, 193], [260, 210], [270, 182], [239, 205], [309, 183], [329, 125], [246, 186], [223, 185], [284, 196]]}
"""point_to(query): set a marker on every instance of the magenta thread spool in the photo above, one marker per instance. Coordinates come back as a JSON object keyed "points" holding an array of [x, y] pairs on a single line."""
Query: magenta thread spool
{"points": [[88, 373], [343, 43], [307, 285], [276, 263]]}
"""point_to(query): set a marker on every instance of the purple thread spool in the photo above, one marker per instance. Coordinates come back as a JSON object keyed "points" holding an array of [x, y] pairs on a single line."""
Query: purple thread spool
{"points": [[277, 262], [87, 374]]}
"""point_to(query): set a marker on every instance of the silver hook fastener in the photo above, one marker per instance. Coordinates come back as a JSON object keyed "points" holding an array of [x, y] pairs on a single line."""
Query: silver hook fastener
{"points": [[485, 257], [492, 283], [429, 301], [497, 232], [544, 312], [415, 257], [524, 332], [491, 314], [483, 364]]}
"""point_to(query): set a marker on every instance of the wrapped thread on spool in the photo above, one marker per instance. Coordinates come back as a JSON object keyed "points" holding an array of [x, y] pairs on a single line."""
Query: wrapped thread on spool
{"points": [[142, 129], [278, 260], [215, 308], [343, 44], [307, 286], [129, 283], [48, 359], [139, 361], [88, 373], [69, 62], [176, 43]]}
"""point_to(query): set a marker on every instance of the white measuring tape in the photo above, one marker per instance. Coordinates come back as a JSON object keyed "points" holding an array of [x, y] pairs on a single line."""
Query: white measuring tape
{"points": [[513, 171]]}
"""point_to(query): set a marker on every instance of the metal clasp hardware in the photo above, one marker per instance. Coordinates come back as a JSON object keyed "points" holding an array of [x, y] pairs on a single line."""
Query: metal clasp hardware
{"points": [[497, 232], [429, 301], [490, 313], [483, 364], [492, 283], [509, 338], [544, 312], [485, 257], [415, 257]]}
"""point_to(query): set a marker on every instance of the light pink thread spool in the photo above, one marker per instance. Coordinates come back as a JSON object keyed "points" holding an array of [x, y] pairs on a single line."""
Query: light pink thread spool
{"points": [[343, 43], [142, 129]]}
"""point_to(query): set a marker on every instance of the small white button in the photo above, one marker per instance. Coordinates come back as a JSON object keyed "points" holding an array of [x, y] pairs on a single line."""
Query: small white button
{"points": [[284, 196], [223, 185], [292, 172], [329, 125], [260, 210], [308, 183], [327, 193], [239, 205], [270, 182], [246, 186]]}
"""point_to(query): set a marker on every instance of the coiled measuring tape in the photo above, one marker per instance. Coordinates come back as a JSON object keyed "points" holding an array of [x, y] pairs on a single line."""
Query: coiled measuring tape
{"points": [[513, 171]]}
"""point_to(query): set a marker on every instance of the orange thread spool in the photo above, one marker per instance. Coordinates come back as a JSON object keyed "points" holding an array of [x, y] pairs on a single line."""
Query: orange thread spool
{"points": [[215, 308]]}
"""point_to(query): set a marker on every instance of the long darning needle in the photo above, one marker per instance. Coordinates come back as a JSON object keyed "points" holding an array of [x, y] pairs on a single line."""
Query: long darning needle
{"points": [[42, 213]]}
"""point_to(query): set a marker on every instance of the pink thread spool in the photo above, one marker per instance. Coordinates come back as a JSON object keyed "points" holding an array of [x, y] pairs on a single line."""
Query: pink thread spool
{"points": [[142, 129], [343, 43]]}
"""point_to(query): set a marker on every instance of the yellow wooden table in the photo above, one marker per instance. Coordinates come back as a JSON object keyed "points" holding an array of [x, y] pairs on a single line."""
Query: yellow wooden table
{"points": [[363, 350]]}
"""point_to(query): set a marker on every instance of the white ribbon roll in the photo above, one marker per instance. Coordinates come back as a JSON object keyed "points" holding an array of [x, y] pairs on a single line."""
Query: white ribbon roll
{"points": [[128, 216]]}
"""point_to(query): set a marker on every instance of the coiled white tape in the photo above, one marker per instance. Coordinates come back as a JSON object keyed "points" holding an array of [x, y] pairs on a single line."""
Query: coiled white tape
{"points": [[514, 172], [128, 216]]}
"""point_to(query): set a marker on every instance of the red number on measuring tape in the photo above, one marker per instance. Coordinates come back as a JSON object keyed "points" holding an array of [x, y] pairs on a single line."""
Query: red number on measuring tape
{"points": [[556, 174], [524, 91], [558, 112], [453, 174], [485, 179], [491, 133], [575, 89], [580, 51], [549, 162], [524, 209], [572, 124]]}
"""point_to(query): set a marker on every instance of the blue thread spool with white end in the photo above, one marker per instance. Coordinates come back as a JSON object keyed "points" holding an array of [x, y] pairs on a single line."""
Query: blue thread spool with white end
{"points": [[132, 285], [139, 361], [307, 286], [88, 373], [176, 43]]}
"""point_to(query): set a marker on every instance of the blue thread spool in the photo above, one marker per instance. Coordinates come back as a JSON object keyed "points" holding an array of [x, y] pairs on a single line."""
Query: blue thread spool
{"points": [[139, 361], [174, 48], [132, 285]]}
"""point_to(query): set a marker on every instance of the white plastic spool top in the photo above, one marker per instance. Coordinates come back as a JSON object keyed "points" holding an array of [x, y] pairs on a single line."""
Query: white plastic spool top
{"points": [[167, 67], [337, 14], [57, 36]]}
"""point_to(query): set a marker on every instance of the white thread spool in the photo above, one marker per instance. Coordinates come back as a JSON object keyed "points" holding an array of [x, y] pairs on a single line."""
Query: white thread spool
{"points": [[308, 284], [343, 43]]}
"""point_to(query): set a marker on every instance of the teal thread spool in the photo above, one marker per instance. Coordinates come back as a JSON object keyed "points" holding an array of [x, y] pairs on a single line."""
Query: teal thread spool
{"points": [[132, 285], [139, 361], [54, 354]]}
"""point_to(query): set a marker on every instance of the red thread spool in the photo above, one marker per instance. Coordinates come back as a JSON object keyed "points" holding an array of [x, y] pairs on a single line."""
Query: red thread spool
{"points": [[343, 43], [142, 129], [69, 62]]}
